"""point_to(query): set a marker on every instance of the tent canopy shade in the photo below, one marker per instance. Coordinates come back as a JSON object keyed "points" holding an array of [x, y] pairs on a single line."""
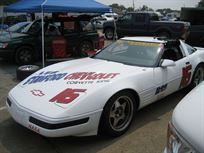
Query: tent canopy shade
{"points": [[49, 6]]}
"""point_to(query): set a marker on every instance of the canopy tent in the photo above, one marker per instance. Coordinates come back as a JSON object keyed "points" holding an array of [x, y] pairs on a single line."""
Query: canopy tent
{"points": [[50, 6]]}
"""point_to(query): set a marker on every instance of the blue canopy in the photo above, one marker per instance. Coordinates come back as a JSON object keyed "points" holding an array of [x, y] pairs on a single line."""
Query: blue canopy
{"points": [[49, 6]]}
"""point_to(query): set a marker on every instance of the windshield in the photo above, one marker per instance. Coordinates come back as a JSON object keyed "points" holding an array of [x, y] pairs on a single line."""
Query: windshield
{"points": [[131, 53], [17, 27]]}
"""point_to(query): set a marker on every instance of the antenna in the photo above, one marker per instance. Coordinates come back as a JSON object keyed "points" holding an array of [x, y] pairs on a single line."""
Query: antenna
{"points": [[133, 5]]}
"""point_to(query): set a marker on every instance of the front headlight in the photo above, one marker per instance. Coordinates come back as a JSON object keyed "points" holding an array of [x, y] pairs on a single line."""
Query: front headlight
{"points": [[3, 45], [175, 143]]}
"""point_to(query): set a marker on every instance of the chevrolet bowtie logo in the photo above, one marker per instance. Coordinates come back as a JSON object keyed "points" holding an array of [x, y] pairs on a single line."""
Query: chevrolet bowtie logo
{"points": [[37, 92]]}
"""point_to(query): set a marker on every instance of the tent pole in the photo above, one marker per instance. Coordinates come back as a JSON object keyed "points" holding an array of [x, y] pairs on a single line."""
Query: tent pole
{"points": [[43, 37], [115, 36], [2, 21]]}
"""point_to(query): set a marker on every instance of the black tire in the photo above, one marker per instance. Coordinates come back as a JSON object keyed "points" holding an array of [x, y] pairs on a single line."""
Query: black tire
{"points": [[84, 47], [164, 34], [198, 76], [24, 55], [118, 114], [109, 33], [24, 71]]}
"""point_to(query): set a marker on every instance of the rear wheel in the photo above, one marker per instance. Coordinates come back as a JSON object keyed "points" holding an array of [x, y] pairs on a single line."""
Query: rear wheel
{"points": [[85, 46], [163, 34], [118, 114], [198, 76], [24, 55], [109, 33]]}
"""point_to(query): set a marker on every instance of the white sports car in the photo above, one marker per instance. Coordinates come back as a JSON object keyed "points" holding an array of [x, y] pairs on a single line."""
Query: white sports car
{"points": [[102, 93]]}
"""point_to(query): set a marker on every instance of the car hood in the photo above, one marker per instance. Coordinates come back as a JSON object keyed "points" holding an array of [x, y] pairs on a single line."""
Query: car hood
{"points": [[188, 118], [6, 36], [46, 90]]}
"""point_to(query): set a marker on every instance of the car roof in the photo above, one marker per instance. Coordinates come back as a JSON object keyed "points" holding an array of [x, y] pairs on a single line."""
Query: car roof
{"points": [[146, 39]]}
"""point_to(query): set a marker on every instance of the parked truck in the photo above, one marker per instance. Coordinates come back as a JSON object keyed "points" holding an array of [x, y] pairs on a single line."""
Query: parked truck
{"points": [[144, 24], [196, 18]]}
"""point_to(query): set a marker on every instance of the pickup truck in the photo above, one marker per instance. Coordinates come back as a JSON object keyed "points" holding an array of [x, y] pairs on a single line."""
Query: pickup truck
{"points": [[144, 24]]}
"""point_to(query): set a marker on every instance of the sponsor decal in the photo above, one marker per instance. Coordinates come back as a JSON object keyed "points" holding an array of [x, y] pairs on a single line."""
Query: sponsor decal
{"points": [[140, 43], [161, 89], [45, 77], [37, 92], [33, 128], [90, 76], [67, 96], [73, 78], [186, 75]]}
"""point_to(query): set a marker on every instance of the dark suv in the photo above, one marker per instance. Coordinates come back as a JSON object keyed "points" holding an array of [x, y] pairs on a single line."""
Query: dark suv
{"points": [[64, 37]]}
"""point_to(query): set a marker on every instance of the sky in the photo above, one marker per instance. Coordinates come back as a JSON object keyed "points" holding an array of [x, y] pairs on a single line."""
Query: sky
{"points": [[155, 4]]}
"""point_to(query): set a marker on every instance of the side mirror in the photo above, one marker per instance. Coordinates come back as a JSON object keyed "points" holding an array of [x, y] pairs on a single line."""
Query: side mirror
{"points": [[167, 63]]}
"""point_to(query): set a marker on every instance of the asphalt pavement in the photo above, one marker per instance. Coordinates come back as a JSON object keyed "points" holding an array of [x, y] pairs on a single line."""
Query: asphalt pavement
{"points": [[147, 133]]}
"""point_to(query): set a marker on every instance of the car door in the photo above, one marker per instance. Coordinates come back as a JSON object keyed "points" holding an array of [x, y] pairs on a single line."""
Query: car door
{"points": [[170, 79], [125, 24], [71, 31], [139, 27], [52, 32]]}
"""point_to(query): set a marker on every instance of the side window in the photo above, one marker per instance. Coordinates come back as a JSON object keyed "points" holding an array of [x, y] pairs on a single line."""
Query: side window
{"points": [[140, 18], [87, 26], [190, 49], [69, 27], [53, 29], [154, 17], [173, 53], [126, 18]]}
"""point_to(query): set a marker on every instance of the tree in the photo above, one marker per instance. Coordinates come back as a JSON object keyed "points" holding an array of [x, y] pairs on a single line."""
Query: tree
{"points": [[7, 2], [145, 8], [130, 9], [201, 3]]}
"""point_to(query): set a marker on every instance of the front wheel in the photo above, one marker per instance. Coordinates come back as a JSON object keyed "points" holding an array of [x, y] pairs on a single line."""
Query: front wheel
{"points": [[24, 55], [198, 75], [118, 114]]}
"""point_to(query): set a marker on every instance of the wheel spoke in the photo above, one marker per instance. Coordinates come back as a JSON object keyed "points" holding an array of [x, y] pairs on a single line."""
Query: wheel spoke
{"points": [[124, 105], [112, 114], [115, 122], [117, 104]]}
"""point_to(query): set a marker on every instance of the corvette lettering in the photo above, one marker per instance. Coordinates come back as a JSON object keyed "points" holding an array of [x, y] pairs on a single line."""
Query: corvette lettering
{"points": [[67, 96], [90, 76], [45, 77], [80, 82]]}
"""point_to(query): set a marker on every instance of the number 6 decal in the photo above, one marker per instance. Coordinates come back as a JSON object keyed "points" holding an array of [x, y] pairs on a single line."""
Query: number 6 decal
{"points": [[67, 96], [186, 75]]}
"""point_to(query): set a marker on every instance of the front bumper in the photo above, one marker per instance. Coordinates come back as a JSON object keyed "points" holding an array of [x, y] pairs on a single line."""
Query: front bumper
{"points": [[6, 52], [83, 125]]}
